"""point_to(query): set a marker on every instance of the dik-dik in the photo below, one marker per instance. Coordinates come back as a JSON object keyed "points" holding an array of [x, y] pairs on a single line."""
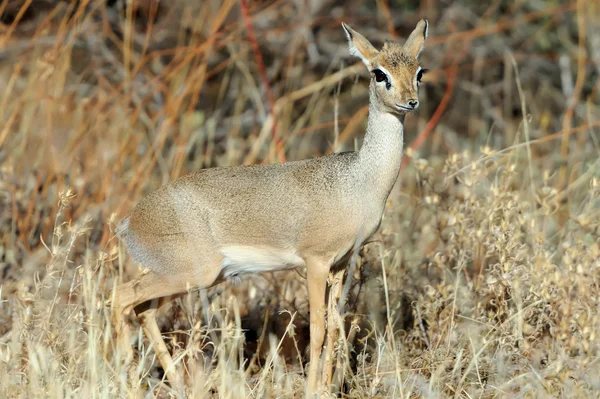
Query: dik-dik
{"points": [[222, 223]]}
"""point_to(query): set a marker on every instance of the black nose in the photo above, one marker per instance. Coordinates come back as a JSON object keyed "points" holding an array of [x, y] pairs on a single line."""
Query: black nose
{"points": [[413, 103]]}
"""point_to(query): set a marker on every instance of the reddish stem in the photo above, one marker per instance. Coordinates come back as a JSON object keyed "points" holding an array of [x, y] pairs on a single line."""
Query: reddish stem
{"points": [[432, 123], [263, 75]]}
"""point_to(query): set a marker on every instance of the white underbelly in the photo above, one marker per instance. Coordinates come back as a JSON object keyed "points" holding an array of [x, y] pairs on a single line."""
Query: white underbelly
{"points": [[239, 260]]}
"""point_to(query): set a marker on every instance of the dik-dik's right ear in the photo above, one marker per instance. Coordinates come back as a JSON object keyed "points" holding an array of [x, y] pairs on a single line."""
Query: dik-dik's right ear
{"points": [[359, 46]]}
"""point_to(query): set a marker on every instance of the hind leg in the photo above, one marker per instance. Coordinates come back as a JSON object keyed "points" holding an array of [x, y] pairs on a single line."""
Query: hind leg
{"points": [[127, 296], [123, 302], [147, 317], [148, 288]]}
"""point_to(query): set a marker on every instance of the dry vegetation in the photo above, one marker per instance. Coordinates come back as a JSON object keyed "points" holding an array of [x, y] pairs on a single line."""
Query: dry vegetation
{"points": [[483, 280]]}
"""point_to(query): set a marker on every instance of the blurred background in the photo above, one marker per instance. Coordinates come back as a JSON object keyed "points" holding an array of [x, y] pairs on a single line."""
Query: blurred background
{"points": [[492, 227]]}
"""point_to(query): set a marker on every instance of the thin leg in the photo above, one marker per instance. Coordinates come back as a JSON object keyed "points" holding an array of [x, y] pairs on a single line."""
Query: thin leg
{"points": [[332, 325], [317, 273], [129, 295], [123, 304], [150, 326]]}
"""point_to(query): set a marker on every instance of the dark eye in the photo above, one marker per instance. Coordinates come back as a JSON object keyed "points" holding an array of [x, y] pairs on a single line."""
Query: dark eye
{"points": [[421, 73], [379, 76]]}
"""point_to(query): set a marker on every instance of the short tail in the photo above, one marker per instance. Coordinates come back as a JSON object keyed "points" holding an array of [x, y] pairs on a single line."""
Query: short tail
{"points": [[122, 227]]}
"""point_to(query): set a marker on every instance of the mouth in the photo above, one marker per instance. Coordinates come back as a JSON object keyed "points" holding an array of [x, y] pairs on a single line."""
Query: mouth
{"points": [[404, 108]]}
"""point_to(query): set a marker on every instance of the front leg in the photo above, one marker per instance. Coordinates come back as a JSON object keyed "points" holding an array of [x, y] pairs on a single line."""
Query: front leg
{"points": [[317, 273], [333, 325]]}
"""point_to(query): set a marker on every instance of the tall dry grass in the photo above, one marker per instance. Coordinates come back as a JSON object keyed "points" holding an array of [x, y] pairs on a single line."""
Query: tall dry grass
{"points": [[483, 280]]}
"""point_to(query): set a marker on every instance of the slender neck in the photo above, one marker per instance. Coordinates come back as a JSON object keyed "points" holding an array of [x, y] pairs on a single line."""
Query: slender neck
{"points": [[381, 153]]}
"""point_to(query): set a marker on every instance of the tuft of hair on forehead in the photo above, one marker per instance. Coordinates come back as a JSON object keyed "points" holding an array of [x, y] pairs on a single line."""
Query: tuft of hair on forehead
{"points": [[393, 55]]}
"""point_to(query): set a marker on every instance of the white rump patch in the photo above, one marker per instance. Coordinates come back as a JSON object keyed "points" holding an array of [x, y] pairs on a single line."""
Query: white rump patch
{"points": [[122, 227], [246, 259]]}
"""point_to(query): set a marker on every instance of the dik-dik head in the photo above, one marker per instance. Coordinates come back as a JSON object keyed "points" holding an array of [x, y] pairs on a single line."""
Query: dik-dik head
{"points": [[395, 70]]}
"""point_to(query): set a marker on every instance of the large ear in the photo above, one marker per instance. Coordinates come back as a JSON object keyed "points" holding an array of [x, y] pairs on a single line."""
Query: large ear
{"points": [[416, 41], [359, 46]]}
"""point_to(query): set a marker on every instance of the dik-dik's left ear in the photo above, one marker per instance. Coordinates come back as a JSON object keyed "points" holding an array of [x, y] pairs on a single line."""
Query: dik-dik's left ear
{"points": [[360, 46], [416, 41]]}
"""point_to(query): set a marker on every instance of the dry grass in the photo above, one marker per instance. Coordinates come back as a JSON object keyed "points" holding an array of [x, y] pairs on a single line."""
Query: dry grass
{"points": [[483, 280]]}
